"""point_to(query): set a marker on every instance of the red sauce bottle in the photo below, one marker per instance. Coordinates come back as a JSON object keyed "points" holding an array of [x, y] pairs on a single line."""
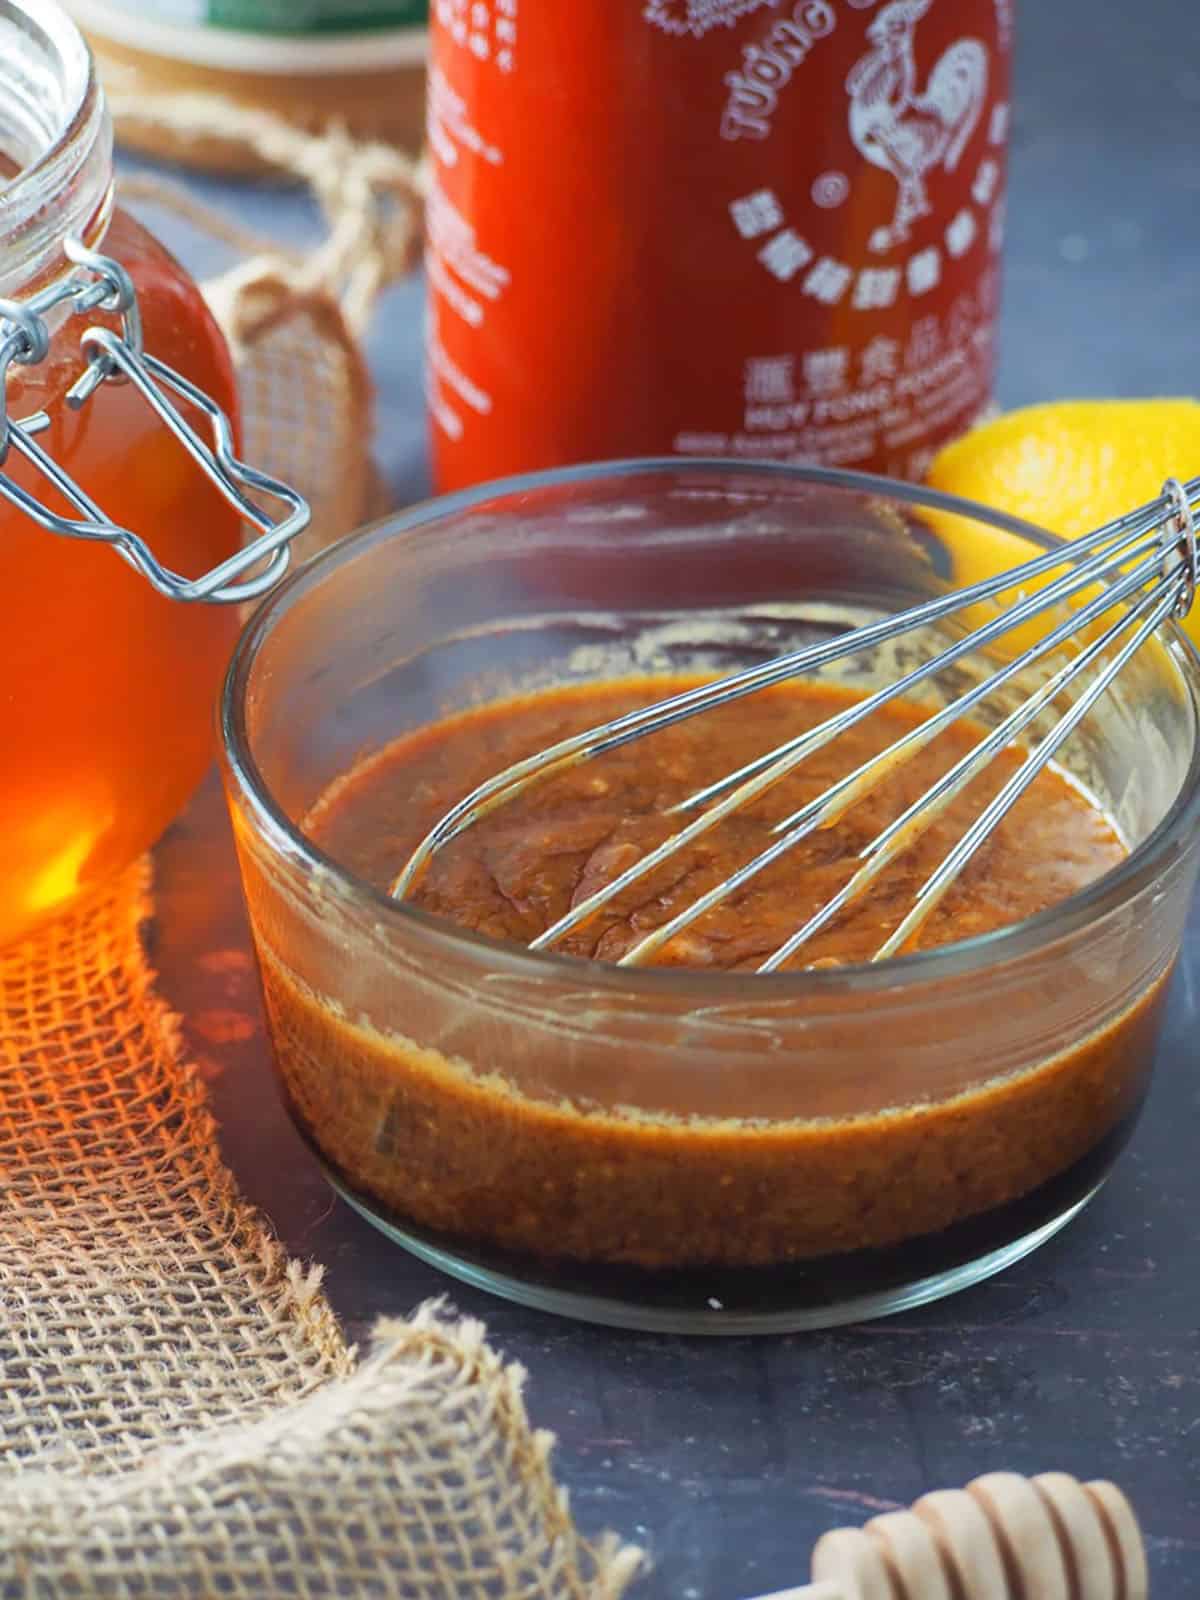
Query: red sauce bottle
{"points": [[765, 229]]}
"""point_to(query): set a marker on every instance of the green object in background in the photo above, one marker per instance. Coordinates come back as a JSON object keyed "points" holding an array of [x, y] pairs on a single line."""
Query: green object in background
{"points": [[313, 16], [298, 18]]}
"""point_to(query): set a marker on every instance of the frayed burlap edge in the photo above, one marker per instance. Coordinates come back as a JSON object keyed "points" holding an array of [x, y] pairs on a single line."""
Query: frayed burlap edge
{"points": [[181, 1415]]}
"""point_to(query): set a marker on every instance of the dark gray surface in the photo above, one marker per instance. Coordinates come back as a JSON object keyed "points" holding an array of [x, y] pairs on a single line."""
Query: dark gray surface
{"points": [[1102, 294], [728, 1458]]}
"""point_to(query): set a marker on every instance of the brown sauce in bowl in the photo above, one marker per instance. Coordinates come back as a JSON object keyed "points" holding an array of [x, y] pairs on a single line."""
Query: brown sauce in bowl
{"points": [[520, 868], [454, 1147]]}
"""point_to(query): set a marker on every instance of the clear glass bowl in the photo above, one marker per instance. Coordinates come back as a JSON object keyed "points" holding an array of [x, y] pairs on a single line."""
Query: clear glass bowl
{"points": [[671, 1149]]}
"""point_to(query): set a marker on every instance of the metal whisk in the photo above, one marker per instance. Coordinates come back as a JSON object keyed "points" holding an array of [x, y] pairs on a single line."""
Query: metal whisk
{"points": [[1147, 565]]}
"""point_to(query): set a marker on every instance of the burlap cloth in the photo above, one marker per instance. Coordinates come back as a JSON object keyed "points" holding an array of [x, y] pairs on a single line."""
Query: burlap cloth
{"points": [[179, 1414]]}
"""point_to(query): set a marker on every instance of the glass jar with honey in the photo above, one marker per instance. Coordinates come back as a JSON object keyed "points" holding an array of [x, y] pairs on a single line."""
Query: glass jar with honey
{"points": [[122, 502]]}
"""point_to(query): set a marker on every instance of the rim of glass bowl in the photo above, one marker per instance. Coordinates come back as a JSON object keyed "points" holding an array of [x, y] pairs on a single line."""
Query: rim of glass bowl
{"points": [[1116, 886]]}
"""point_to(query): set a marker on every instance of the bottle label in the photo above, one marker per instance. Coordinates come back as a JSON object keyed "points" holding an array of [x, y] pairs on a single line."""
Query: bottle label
{"points": [[698, 16], [296, 17], [766, 229]]}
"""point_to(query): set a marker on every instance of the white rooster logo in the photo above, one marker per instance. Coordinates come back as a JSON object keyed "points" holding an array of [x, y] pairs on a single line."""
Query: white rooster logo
{"points": [[902, 129]]}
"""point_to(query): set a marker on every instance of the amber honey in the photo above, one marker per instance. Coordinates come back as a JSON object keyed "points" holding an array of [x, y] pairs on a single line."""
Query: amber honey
{"points": [[107, 687]]}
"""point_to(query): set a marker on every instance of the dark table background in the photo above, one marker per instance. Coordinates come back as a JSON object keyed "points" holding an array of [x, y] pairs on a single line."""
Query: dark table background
{"points": [[727, 1458]]}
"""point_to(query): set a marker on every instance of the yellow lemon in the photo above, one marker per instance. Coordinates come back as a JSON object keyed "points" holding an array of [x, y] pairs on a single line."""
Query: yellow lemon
{"points": [[1067, 466], [1073, 464]]}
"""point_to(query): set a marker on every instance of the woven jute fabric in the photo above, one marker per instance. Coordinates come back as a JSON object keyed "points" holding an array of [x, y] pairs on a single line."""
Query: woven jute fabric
{"points": [[179, 1413]]}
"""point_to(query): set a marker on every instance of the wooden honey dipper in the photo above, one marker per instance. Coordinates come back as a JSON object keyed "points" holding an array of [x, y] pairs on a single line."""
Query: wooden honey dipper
{"points": [[1003, 1537]]}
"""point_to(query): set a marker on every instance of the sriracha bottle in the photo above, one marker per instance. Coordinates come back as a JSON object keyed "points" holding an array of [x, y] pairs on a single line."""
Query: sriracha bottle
{"points": [[765, 229]]}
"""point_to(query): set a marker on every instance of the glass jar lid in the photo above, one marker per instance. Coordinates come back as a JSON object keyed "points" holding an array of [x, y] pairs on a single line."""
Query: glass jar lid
{"points": [[56, 135]]}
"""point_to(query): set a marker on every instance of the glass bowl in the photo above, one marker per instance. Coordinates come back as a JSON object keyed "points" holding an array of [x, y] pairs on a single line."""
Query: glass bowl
{"points": [[672, 1149]]}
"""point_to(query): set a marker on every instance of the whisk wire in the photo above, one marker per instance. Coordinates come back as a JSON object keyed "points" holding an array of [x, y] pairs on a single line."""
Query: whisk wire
{"points": [[634, 724], [925, 810], [1026, 610], [947, 871], [835, 801], [768, 770], [924, 732], [1158, 538]]}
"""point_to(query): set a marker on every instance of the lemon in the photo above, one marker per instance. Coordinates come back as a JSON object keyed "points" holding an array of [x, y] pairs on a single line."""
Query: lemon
{"points": [[1071, 465], [1068, 466]]}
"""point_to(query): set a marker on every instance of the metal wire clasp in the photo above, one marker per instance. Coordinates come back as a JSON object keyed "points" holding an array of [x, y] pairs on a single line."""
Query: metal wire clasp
{"points": [[99, 282]]}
